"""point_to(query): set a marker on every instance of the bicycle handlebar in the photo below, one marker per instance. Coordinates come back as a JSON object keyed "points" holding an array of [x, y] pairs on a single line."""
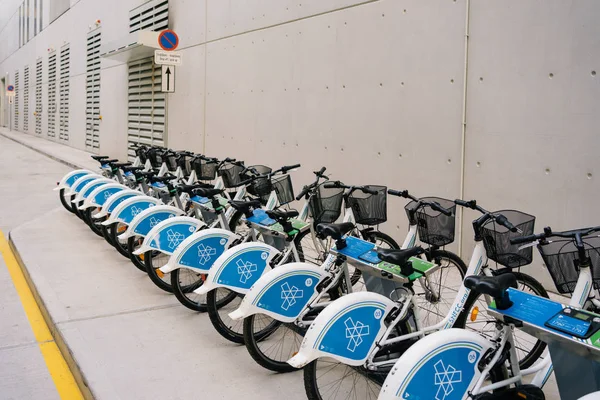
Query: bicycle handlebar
{"points": [[313, 185], [576, 234], [499, 218], [340, 185], [433, 204]]}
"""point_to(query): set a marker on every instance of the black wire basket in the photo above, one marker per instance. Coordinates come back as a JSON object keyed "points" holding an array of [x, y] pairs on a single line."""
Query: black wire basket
{"points": [[205, 170], [155, 158], [140, 152], [434, 228], [562, 260], [260, 187], [369, 209], [171, 161], [282, 185], [230, 173], [185, 163], [326, 204], [496, 239]]}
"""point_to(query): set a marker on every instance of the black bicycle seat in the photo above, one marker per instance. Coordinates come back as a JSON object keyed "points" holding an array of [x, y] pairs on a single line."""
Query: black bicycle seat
{"points": [[494, 286], [98, 158], [244, 206], [107, 161], [132, 169], [399, 256], [146, 174], [207, 192], [281, 214], [121, 164], [163, 179], [335, 231]]}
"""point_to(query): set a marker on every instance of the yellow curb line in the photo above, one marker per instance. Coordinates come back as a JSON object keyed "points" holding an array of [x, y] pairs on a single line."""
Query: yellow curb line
{"points": [[57, 365]]}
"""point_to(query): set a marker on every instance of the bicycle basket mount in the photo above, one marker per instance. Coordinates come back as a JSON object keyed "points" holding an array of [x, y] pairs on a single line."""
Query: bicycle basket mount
{"points": [[230, 173], [369, 209], [433, 227], [496, 239], [562, 260], [205, 170], [326, 204]]}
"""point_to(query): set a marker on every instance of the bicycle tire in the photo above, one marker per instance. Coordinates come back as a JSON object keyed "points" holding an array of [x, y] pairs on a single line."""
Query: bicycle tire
{"points": [[537, 288], [96, 227], [66, 202], [106, 235], [122, 248], [185, 295], [138, 261], [77, 211]]}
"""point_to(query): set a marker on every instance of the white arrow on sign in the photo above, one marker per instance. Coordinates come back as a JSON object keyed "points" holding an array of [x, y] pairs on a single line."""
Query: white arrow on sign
{"points": [[168, 79]]}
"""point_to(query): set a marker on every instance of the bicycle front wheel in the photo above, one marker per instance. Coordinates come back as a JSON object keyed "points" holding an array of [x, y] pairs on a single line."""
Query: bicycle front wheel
{"points": [[66, 201], [475, 317]]}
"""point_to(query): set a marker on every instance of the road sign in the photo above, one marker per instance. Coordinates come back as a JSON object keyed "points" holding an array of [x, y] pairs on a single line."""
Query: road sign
{"points": [[168, 40], [10, 88], [168, 79], [167, 57]]}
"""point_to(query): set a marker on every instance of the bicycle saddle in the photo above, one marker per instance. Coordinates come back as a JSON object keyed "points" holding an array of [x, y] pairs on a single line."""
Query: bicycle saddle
{"points": [[206, 192], [335, 231], [163, 179], [245, 206], [494, 286], [98, 158], [132, 169], [107, 161], [121, 164], [399, 256], [282, 214]]}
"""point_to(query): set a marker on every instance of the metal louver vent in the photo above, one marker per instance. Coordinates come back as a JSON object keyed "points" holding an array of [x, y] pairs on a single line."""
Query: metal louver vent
{"points": [[26, 99], [38, 97], [146, 105], [52, 95], [92, 87], [17, 93], [65, 61], [152, 16]]}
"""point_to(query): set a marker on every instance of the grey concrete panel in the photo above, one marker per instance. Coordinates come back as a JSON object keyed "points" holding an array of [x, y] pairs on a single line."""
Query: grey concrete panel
{"points": [[533, 108]]}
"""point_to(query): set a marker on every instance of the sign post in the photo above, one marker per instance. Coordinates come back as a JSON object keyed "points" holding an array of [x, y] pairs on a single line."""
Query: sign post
{"points": [[168, 58], [10, 93]]}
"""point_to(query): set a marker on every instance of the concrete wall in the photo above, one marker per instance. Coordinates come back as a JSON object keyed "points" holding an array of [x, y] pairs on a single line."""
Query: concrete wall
{"points": [[374, 90]]}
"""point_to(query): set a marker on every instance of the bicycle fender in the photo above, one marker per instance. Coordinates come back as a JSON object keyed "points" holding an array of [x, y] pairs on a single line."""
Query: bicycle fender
{"points": [[282, 293], [130, 208], [81, 182], [89, 188], [199, 251], [239, 267], [70, 178], [447, 358], [99, 195], [346, 330], [143, 223], [168, 234], [115, 199]]}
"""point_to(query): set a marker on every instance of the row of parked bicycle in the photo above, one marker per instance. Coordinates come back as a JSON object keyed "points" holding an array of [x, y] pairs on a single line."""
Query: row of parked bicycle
{"points": [[342, 300]]}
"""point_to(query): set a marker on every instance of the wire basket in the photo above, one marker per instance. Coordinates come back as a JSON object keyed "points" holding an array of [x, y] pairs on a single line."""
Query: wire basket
{"points": [[140, 152], [562, 260], [230, 173], [496, 239], [184, 162], [434, 228], [262, 186], [205, 170], [326, 204], [369, 209], [171, 161], [282, 185], [155, 158]]}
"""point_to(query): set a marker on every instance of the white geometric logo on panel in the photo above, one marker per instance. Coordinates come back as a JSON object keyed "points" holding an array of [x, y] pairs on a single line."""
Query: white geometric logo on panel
{"points": [[107, 194], [205, 253], [445, 377], [355, 332], [154, 222], [174, 238], [245, 269], [289, 295], [135, 210]]}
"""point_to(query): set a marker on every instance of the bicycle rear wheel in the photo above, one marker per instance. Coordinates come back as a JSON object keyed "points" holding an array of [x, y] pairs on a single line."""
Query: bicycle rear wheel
{"points": [[66, 200], [94, 224], [114, 230], [475, 317]]}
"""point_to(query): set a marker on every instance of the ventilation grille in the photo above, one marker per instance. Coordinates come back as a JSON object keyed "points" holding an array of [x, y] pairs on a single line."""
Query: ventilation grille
{"points": [[26, 99], [146, 105], [92, 87], [52, 95], [38, 97], [152, 16], [17, 93], [65, 61]]}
